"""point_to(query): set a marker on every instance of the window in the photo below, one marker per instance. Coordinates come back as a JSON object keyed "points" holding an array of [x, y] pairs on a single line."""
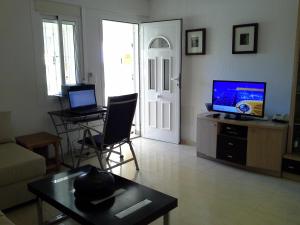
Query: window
{"points": [[166, 74], [60, 53], [159, 42], [152, 74]]}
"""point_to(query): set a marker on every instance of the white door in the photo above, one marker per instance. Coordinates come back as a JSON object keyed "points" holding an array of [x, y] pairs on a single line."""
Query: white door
{"points": [[160, 72]]}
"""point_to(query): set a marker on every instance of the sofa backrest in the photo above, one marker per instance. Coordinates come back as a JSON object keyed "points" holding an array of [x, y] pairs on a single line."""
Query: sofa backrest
{"points": [[6, 131]]}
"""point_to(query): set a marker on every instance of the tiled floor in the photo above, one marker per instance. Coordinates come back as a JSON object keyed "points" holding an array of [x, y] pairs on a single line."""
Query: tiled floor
{"points": [[208, 193]]}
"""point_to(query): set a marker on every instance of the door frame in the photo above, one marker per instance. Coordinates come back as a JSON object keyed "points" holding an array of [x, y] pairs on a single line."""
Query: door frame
{"points": [[137, 67], [142, 108]]}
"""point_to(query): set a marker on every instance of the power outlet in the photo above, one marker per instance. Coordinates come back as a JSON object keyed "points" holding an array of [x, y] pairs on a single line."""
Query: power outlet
{"points": [[91, 78]]}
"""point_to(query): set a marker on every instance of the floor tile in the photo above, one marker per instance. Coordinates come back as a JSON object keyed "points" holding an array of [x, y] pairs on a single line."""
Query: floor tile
{"points": [[208, 193]]}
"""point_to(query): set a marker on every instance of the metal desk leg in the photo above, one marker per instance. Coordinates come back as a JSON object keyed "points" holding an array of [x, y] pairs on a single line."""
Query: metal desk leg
{"points": [[40, 211], [70, 148], [57, 133], [167, 219]]}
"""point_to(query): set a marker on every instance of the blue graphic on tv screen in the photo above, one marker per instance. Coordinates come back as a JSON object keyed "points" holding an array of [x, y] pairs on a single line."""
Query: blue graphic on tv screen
{"points": [[239, 97]]}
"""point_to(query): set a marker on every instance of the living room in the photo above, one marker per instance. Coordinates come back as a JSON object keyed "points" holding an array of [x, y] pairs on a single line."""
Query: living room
{"points": [[170, 168]]}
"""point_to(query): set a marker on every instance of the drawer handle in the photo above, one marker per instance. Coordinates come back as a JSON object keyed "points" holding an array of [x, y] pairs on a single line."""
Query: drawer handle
{"points": [[230, 144], [291, 167], [229, 156]]}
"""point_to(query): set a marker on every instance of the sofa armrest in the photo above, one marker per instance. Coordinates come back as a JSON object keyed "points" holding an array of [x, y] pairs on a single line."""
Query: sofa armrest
{"points": [[6, 131]]}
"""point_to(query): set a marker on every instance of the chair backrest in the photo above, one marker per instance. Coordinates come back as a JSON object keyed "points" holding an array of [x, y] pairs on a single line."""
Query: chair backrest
{"points": [[119, 117]]}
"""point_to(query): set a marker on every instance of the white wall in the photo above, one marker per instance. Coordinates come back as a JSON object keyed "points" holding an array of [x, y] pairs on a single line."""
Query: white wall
{"points": [[273, 63], [20, 89], [20, 86]]}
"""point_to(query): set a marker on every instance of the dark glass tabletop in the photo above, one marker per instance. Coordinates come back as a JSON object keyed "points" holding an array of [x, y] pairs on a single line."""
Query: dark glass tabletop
{"points": [[131, 204], [67, 113]]}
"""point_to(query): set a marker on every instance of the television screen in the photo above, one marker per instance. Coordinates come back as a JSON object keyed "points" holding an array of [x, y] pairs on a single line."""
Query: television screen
{"points": [[239, 97]]}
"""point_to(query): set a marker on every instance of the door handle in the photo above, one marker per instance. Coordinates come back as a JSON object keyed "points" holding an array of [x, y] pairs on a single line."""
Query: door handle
{"points": [[175, 78], [178, 79]]}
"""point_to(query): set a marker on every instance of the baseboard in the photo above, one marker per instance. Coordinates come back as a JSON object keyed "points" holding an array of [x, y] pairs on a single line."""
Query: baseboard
{"points": [[291, 176], [188, 142]]}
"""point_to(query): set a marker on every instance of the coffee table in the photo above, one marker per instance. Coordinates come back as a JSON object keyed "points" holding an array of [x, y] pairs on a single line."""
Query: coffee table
{"points": [[132, 203]]}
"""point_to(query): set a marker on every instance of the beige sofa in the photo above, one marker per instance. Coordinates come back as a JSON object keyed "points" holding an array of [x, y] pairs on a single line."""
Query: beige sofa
{"points": [[18, 166], [4, 220]]}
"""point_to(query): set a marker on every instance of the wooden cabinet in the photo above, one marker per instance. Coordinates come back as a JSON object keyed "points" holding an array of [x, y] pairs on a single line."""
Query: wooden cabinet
{"points": [[256, 145], [207, 132], [265, 148]]}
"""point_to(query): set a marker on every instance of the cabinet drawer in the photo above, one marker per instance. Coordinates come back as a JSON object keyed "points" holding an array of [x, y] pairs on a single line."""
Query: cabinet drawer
{"points": [[291, 166], [234, 130], [232, 156], [232, 149], [231, 143]]}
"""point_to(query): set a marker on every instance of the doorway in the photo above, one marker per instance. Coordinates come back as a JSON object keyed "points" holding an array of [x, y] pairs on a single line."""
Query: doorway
{"points": [[120, 59]]}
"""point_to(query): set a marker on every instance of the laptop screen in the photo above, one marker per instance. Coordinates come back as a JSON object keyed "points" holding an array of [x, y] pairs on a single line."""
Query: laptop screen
{"points": [[82, 98]]}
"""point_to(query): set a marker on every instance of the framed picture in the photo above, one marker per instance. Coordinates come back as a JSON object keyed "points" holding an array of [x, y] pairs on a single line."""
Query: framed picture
{"points": [[195, 41], [244, 38]]}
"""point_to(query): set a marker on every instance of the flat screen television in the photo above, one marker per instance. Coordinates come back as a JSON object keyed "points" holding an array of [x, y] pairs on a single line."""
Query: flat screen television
{"points": [[240, 98]]}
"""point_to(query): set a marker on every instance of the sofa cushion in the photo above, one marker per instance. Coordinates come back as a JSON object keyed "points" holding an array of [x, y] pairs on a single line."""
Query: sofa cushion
{"points": [[18, 164], [6, 131], [4, 220]]}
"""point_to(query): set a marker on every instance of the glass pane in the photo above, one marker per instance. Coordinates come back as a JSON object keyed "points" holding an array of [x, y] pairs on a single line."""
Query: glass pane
{"points": [[159, 43], [52, 56], [151, 73], [166, 74], [69, 52]]}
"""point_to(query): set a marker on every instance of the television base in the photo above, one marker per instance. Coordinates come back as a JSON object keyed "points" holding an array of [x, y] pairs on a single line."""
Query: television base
{"points": [[230, 116]]}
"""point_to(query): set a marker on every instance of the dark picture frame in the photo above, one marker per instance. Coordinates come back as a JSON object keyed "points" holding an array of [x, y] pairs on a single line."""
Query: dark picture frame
{"points": [[195, 41], [245, 38]]}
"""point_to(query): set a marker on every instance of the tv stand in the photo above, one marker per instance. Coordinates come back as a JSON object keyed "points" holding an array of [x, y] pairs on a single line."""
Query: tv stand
{"points": [[231, 116], [254, 145]]}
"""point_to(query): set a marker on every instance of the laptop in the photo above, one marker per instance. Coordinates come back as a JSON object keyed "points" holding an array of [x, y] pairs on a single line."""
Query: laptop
{"points": [[83, 101]]}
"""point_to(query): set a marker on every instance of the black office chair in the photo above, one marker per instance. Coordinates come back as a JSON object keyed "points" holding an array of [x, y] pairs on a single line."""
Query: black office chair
{"points": [[116, 130]]}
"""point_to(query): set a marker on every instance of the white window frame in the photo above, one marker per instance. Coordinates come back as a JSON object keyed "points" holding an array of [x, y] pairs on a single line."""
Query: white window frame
{"points": [[78, 46]]}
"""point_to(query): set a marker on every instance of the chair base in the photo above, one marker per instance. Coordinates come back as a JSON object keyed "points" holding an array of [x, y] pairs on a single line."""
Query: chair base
{"points": [[100, 151]]}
